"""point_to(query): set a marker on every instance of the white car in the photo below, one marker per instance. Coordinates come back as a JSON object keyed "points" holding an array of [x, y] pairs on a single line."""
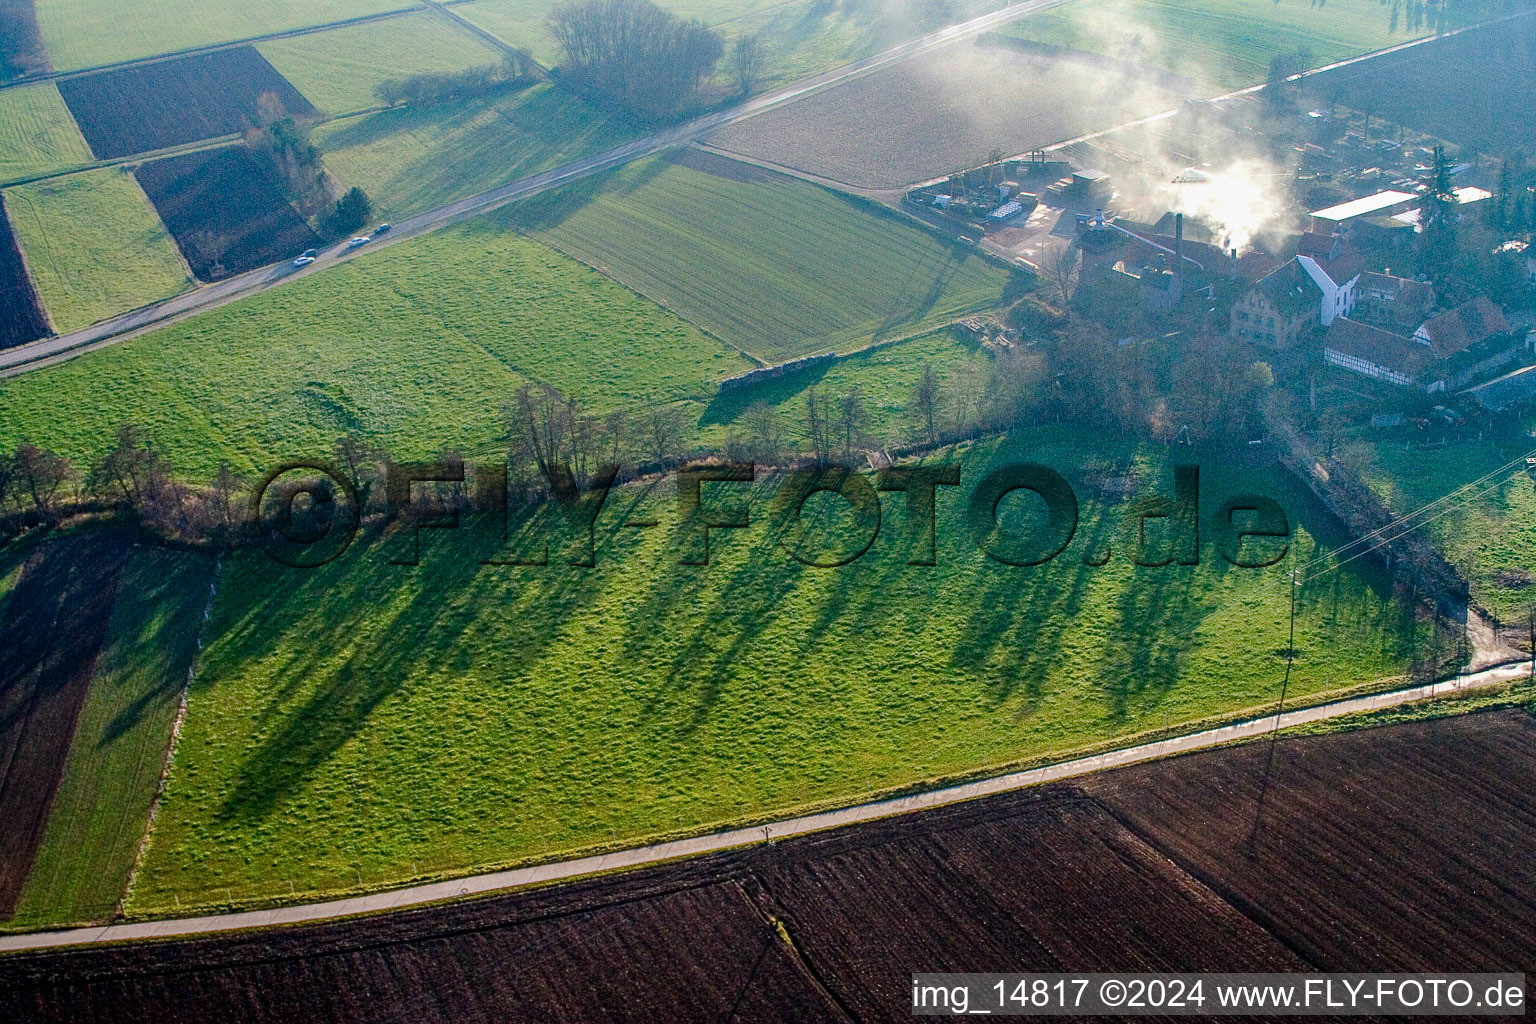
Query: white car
{"points": [[360, 240], [303, 261]]}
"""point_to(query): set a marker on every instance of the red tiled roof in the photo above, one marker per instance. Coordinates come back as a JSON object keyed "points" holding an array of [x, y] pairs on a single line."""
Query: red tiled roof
{"points": [[1465, 326], [1375, 345]]}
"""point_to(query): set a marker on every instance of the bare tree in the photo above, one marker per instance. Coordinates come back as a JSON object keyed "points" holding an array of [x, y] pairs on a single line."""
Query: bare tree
{"points": [[664, 426], [818, 425], [539, 421], [1064, 270], [925, 402], [765, 427], [852, 419], [221, 501], [41, 475], [747, 56]]}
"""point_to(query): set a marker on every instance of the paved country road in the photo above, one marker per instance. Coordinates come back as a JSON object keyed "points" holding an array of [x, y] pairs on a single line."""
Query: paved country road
{"points": [[546, 873], [53, 350]]}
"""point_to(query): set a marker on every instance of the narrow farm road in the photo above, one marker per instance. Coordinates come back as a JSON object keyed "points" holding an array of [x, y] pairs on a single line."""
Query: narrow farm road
{"points": [[545, 873], [53, 350]]}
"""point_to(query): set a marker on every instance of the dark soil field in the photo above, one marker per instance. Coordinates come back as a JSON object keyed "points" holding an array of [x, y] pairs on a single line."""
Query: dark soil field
{"points": [[1400, 849], [66, 590], [926, 117], [21, 314], [173, 102], [1425, 87], [21, 44], [1143, 869], [227, 214]]}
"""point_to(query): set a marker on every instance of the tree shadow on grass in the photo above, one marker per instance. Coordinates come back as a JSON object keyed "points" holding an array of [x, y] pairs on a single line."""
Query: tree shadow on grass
{"points": [[425, 631], [160, 615]]}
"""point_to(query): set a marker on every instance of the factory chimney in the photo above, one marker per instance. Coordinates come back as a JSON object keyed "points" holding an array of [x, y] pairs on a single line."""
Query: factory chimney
{"points": [[1178, 246]]}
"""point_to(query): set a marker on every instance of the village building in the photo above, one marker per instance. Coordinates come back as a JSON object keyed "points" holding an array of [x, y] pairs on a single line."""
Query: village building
{"points": [[1447, 351], [1392, 302], [1288, 304], [1378, 353]]}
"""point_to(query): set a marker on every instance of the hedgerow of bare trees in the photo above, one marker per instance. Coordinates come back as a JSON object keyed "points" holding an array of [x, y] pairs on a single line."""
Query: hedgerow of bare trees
{"points": [[440, 87], [646, 59]]}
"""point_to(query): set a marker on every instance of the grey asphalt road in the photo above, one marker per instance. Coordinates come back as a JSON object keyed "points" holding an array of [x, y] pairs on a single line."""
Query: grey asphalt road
{"points": [[545, 873], [49, 351]]}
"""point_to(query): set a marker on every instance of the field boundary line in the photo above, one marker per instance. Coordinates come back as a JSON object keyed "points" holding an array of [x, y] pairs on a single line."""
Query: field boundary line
{"points": [[484, 34], [175, 738], [190, 51], [544, 874]]}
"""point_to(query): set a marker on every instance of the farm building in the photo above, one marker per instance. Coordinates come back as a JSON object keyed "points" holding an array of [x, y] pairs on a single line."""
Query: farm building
{"points": [[1377, 352], [1336, 219], [1459, 329], [1446, 352], [1284, 305]]}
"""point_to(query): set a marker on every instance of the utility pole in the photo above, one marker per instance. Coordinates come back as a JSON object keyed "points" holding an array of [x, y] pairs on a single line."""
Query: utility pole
{"points": [[1274, 734]]}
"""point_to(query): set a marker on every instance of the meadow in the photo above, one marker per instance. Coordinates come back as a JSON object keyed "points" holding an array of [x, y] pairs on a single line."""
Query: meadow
{"points": [[362, 724], [90, 33], [37, 133], [339, 70], [760, 260], [94, 246], [1224, 44], [414, 159], [1489, 537], [885, 377], [379, 347], [113, 771]]}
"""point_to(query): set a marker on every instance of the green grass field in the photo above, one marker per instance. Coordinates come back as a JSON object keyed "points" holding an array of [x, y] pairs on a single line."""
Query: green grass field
{"points": [[88, 33], [884, 376], [520, 23], [94, 245], [1222, 44], [1491, 537], [103, 802], [337, 71], [417, 346], [409, 160], [37, 133], [386, 722], [774, 266]]}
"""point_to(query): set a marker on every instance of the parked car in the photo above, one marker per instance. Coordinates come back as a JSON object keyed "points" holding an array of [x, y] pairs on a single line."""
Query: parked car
{"points": [[312, 254], [358, 241], [382, 229], [303, 261]]}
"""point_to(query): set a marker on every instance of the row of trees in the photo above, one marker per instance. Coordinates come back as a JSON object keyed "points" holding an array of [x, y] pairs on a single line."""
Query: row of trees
{"points": [[555, 446], [444, 86], [134, 477], [639, 56]]}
